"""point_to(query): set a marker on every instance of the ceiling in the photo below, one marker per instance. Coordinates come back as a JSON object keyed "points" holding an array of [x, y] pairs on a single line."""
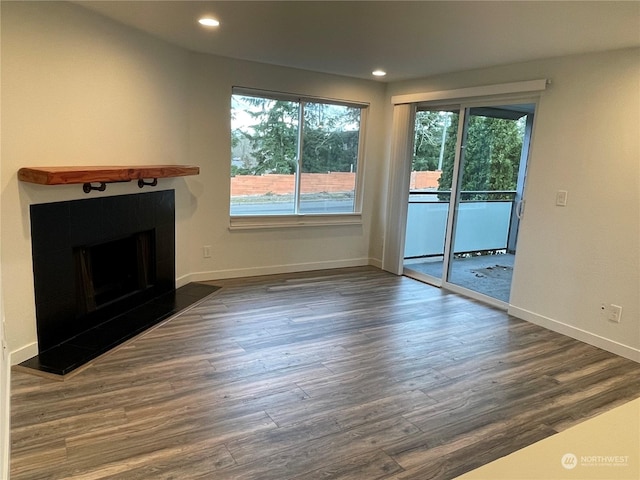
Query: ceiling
{"points": [[407, 39]]}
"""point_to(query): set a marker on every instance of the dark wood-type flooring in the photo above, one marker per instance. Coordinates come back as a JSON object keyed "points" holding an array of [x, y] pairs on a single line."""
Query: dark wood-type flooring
{"points": [[350, 374]]}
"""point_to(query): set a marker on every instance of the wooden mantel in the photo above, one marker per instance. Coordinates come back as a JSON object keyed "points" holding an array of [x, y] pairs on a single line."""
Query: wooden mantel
{"points": [[102, 174]]}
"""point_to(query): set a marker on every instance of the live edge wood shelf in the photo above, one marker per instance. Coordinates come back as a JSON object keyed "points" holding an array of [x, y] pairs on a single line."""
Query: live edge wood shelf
{"points": [[103, 175]]}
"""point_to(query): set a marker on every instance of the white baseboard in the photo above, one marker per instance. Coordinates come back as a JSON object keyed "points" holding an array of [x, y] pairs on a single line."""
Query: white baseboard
{"points": [[577, 333], [269, 270], [23, 353], [5, 412], [375, 262], [5, 419]]}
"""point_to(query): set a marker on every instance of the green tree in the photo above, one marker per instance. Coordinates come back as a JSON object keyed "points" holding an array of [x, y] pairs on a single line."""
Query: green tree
{"points": [[270, 128], [272, 134], [491, 156], [331, 137], [429, 128]]}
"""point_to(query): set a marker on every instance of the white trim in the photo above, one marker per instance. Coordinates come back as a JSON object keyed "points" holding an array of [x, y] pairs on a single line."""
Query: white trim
{"points": [[293, 97], [5, 392], [299, 149], [471, 92], [361, 165], [453, 288], [271, 270], [402, 139], [5, 416], [577, 333], [237, 222], [407, 271], [454, 198], [24, 353], [375, 262], [254, 222], [472, 294], [5, 409], [5, 400]]}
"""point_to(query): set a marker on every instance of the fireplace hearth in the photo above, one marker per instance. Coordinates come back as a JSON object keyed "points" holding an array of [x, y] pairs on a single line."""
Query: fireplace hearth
{"points": [[104, 271]]}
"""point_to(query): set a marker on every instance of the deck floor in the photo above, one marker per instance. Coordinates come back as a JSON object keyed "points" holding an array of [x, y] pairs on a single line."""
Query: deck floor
{"points": [[488, 274]]}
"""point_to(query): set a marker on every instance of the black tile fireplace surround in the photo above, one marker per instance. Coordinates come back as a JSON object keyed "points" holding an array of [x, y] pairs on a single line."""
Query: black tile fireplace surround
{"points": [[104, 271]]}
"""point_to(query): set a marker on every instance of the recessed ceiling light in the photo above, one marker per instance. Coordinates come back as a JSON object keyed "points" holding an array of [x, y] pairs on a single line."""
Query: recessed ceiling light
{"points": [[209, 22], [378, 73]]}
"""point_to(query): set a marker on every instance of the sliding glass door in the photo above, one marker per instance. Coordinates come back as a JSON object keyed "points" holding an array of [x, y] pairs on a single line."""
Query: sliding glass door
{"points": [[462, 222], [435, 140]]}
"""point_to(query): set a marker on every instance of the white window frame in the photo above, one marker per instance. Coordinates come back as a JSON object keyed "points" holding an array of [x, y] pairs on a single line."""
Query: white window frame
{"points": [[250, 222], [404, 108]]}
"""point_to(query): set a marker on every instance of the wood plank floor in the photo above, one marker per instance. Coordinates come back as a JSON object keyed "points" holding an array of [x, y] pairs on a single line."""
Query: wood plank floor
{"points": [[350, 374]]}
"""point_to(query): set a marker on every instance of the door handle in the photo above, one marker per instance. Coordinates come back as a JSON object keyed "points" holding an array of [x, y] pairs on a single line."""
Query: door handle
{"points": [[520, 209]]}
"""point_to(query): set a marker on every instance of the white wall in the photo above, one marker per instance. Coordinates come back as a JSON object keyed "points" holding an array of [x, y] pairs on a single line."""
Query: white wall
{"points": [[572, 259], [239, 253], [79, 89], [5, 397]]}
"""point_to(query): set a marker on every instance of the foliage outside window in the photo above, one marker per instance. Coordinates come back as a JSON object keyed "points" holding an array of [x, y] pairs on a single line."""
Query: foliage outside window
{"points": [[293, 155], [492, 153]]}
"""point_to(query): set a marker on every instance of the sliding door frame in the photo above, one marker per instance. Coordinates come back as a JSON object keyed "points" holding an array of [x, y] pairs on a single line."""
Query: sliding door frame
{"points": [[405, 107]]}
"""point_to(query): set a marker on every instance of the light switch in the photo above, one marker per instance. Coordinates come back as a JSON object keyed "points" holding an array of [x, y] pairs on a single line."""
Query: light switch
{"points": [[561, 198]]}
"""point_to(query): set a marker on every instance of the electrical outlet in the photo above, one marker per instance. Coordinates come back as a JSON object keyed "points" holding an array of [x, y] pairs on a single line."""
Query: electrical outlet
{"points": [[561, 198], [615, 313], [206, 251]]}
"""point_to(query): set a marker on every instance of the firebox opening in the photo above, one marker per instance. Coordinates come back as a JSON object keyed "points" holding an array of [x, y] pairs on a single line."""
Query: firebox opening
{"points": [[112, 271]]}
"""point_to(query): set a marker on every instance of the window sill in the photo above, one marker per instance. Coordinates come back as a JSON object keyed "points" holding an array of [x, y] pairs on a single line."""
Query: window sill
{"points": [[255, 222]]}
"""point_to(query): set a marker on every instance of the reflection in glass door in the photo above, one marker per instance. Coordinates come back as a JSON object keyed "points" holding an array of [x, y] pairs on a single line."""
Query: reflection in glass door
{"points": [[481, 189], [493, 156], [434, 148]]}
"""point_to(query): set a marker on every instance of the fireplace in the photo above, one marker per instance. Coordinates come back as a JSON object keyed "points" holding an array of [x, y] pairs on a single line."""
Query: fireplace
{"points": [[112, 271], [104, 271]]}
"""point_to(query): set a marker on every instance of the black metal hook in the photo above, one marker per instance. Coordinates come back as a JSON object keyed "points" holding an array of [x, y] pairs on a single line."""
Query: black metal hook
{"points": [[87, 187], [142, 183]]}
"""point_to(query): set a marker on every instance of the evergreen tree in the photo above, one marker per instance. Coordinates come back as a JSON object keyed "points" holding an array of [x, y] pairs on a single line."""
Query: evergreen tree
{"points": [[273, 134], [491, 157], [429, 126], [330, 141], [331, 136]]}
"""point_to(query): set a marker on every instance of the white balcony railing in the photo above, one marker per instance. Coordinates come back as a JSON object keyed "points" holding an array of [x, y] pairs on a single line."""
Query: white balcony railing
{"points": [[484, 222]]}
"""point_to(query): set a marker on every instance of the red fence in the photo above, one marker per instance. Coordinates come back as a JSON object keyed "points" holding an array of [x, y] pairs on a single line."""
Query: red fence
{"points": [[333, 182]]}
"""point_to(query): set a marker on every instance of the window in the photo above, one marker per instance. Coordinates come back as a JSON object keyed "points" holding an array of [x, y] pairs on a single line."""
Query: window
{"points": [[293, 155]]}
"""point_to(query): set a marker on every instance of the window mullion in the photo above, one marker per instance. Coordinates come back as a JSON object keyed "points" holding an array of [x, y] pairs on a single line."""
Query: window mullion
{"points": [[298, 175]]}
